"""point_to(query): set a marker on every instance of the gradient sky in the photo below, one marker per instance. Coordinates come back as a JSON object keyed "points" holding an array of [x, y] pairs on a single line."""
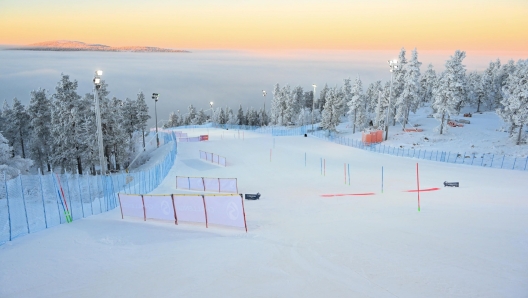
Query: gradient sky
{"points": [[474, 25]]}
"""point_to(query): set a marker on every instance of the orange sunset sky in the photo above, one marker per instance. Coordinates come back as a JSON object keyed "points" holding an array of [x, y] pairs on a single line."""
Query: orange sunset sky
{"points": [[477, 25]]}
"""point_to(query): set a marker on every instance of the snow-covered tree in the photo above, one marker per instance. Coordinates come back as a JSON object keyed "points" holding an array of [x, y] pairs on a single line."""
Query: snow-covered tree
{"points": [[356, 105], [515, 99], [200, 118], [333, 110], [409, 97], [278, 105], [39, 111], [320, 103], [142, 115], [427, 81], [398, 83], [451, 90], [382, 106], [10, 165], [241, 119]]}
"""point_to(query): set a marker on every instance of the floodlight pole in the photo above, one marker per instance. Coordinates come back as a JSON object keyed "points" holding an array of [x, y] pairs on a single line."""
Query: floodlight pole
{"points": [[155, 97], [393, 64], [97, 85], [264, 111], [313, 105], [211, 104]]}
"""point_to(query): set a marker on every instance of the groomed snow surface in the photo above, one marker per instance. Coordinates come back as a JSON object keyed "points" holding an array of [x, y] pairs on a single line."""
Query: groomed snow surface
{"points": [[470, 241]]}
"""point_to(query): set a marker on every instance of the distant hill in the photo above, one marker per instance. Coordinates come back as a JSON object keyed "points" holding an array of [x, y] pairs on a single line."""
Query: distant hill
{"points": [[68, 45]]}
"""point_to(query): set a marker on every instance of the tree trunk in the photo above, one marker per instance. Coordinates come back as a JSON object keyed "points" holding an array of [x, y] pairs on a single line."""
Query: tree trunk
{"points": [[143, 132], [394, 118], [478, 106], [442, 123], [79, 165], [22, 144], [354, 130], [519, 136]]}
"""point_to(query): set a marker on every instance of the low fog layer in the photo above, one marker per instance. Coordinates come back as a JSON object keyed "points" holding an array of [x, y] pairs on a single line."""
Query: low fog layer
{"points": [[224, 77]]}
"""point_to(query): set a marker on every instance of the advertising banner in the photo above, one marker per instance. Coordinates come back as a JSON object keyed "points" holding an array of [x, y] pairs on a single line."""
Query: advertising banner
{"points": [[132, 205], [227, 210], [159, 207], [189, 208]]}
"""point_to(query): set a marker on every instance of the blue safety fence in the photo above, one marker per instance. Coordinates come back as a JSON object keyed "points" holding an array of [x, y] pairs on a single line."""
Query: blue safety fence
{"points": [[31, 203], [484, 160]]}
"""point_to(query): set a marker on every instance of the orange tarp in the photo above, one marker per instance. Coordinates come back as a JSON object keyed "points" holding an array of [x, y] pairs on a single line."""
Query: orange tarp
{"points": [[372, 137]]}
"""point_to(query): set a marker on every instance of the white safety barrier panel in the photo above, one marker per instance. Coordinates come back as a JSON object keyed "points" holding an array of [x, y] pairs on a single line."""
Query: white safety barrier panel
{"points": [[159, 207], [131, 205], [225, 185], [228, 185], [191, 139], [214, 158], [227, 210], [211, 184], [190, 208], [190, 183], [224, 209]]}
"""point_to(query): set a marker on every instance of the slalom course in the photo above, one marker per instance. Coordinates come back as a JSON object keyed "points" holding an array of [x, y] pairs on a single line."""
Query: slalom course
{"points": [[224, 210]]}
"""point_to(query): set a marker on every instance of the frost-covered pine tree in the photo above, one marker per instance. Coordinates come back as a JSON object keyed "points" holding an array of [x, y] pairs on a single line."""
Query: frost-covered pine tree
{"points": [[277, 106], [382, 106], [222, 116], [475, 92], [200, 118], [371, 98], [240, 116], [142, 115], [346, 90], [489, 86], [515, 101], [409, 97], [320, 103], [427, 81], [398, 82], [39, 111], [333, 110], [451, 90], [264, 119], [10, 165], [293, 104], [288, 105], [232, 117], [356, 105]]}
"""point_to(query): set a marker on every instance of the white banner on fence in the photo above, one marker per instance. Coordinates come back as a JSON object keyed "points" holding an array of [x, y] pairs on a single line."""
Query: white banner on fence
{"points": [[227, 210], [228, 185], [159, 207], [203, 155], [222, 161], [131, 205], [196, 183], [211, 184], [189, 208]]}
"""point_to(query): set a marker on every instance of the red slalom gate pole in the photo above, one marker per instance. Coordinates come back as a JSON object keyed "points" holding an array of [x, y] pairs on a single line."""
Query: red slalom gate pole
{"points": [[418, 183]]}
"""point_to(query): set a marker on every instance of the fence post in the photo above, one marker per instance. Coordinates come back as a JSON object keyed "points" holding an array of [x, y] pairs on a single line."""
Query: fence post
{"points": [[90, 194], [491, 166], [525, 163], [449, 155], [514, 163], [502, 163], [80, 193], [8, 210], [42, 197], [24, 200]]}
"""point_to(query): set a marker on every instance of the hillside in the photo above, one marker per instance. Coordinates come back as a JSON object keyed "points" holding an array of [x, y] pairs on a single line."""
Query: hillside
{"points": [[68, 45]]}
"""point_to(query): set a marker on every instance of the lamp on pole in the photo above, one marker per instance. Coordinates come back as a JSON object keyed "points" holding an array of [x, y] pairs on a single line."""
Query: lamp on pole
{"points": [[97, 85], [211, 104], [313, 104], [264, 95], [393, 64], [155, 97]]}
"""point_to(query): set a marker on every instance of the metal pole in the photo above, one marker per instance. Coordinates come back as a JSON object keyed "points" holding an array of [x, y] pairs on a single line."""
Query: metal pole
{"points": [[156, 113], [99, 131], [313, 105], [388, 111]]}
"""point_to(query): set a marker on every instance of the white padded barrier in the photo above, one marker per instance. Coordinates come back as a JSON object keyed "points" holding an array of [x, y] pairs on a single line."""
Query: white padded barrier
{"points": [[190, 208], [131, 205], [223, 185], [222, 209], [227, 210], [159, 207], [214, 158]]}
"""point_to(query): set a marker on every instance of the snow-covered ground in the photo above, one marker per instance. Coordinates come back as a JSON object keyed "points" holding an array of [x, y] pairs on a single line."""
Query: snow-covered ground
{"points": [[487, 133], [465, 242]]}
